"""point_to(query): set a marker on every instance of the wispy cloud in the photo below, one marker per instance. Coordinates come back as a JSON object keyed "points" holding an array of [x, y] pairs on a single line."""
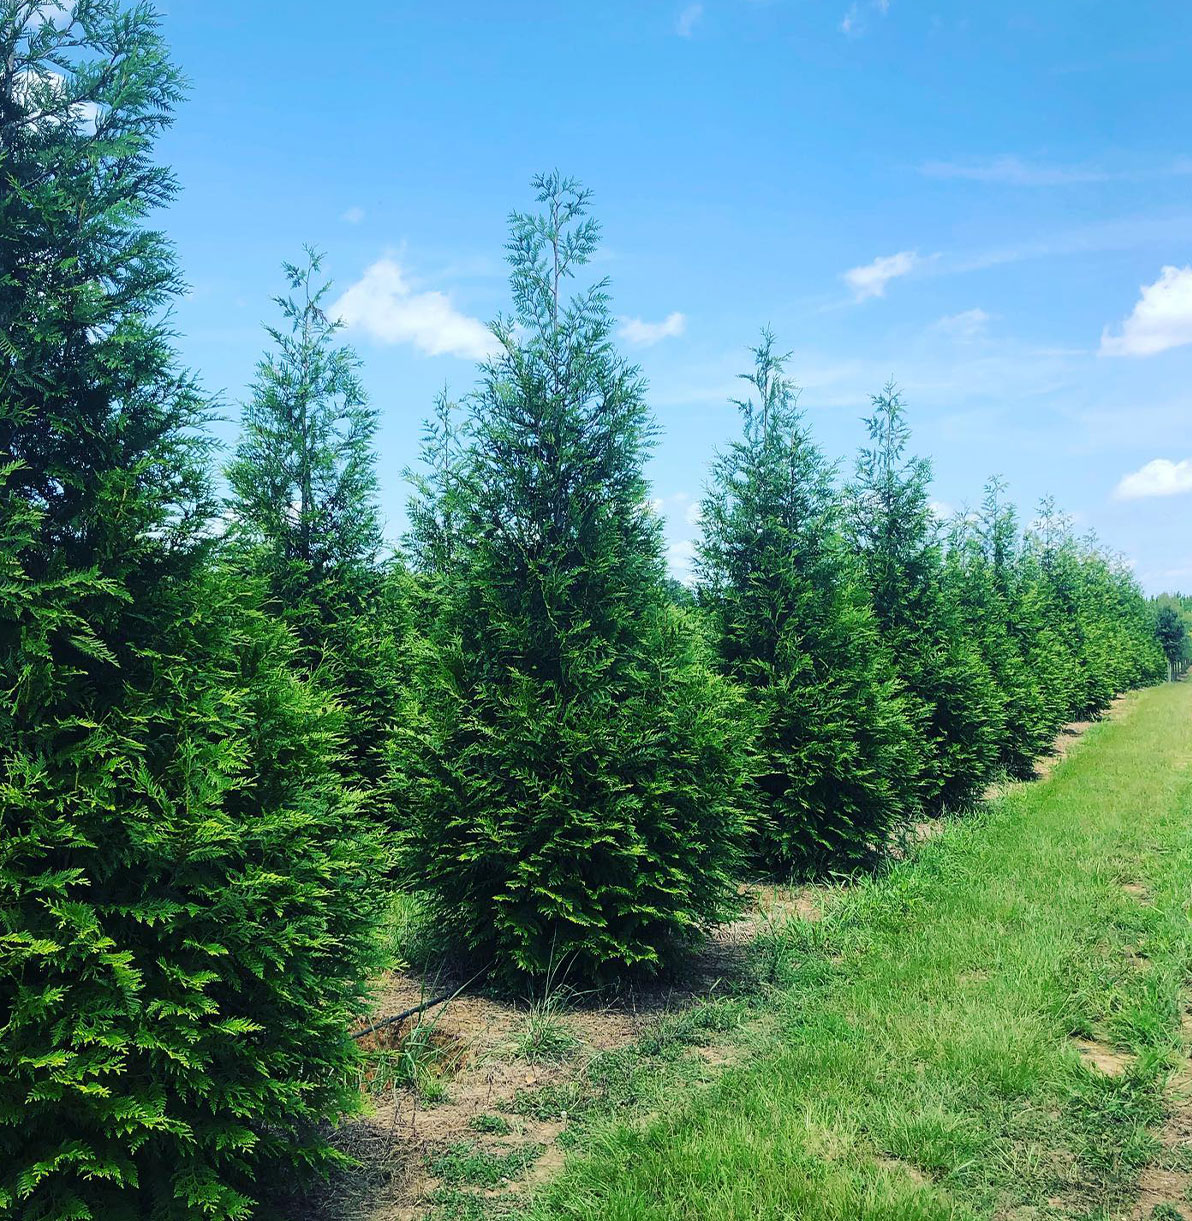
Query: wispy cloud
{"points": [[968, 324], [1159, 477], [680, 560], [353, 216], [871, 279], [1013, 171], [689, 18], [1162, 318], [853, 23], [385, 306], [645, 334]]}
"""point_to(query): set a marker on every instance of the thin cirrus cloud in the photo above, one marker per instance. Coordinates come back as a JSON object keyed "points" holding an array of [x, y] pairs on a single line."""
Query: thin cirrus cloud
{"points": [[353, 216], [1161, 319], [689, 18], [853, 24], [871, 279], [968, 324], [1013, 171], [646, 334], [383, 305], [1159, 477]]}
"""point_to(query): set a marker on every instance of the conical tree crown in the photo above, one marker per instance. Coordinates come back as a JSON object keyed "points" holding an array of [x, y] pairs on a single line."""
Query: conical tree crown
{"points": [[954, 702], [557, 527], [573, 767], [791, 622]]}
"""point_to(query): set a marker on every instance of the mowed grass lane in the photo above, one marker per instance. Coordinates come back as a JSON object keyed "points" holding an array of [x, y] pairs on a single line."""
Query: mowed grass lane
{"points": [[925, 1059]]}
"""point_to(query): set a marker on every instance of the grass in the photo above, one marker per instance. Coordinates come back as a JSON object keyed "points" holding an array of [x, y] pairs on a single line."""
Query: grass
{"points": [[468, 1164], [493, 1125], [420, 1061], [917, 1059]]}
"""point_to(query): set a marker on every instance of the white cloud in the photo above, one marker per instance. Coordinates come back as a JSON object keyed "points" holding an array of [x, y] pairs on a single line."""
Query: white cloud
{"points": [[680, 560], [1162, 318], [28, 82], [354, 215], [968, 324], [1013, 171], [1160, 477], [853, 25], [688, 19], [644, 334], [941, 510], [384, 306], [871, 280], [676, 504], [56, 14]]}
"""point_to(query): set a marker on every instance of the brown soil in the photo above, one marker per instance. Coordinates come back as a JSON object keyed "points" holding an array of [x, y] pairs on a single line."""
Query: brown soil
{"points": [[897, 1168], [1102, 1058], [475, 1043]]}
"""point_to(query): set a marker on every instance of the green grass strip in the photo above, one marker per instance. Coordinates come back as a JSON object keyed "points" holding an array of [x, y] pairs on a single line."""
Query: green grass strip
{"points": [[921, 1061]]}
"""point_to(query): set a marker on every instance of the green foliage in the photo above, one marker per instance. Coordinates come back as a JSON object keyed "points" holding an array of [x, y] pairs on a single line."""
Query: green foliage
{"points": [[793, 625], [1173, 617], [1089, 617], [185, 914], [571, 767], [983, 579], [954, 703], [304, 516]]}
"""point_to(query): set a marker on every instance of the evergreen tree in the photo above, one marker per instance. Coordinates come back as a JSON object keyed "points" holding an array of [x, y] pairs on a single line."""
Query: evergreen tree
{"points": [[792, 624], [572, 767], [981, 574], [304, 514], [1171, 630], [953, 701], [1094, 634], [184, 927]]}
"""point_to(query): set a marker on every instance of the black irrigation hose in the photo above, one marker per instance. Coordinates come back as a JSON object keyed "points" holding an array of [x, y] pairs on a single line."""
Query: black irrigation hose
{"points": [[401, 1017]]}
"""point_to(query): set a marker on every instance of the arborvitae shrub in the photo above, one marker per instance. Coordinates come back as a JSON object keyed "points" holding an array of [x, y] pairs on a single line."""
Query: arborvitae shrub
{"points": [[791, 622], [304, 516], [572, 767], [954, 703], [186, 917], [983, 581]]}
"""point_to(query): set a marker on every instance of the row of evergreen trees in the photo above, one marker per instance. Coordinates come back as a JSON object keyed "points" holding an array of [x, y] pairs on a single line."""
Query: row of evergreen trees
{"points": [[229, 723]]}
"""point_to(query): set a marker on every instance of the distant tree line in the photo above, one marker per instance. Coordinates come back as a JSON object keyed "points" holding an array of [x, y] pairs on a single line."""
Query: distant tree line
{"points": [[232, 720], [1173, 627]]}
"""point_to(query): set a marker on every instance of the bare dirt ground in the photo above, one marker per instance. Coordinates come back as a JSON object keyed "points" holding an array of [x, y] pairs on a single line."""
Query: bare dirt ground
{"points": [[474, 1047], [478, 1056]]}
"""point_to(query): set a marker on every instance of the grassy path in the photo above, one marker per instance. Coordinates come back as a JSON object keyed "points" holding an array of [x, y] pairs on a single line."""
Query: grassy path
{"points": [[933, 1045]]}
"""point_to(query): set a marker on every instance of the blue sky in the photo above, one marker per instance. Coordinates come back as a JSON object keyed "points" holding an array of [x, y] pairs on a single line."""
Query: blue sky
{"points": [[989, 202]]}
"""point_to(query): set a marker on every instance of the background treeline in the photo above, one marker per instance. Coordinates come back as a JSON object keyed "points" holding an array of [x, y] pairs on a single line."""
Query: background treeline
{"points": [[232, 723]]}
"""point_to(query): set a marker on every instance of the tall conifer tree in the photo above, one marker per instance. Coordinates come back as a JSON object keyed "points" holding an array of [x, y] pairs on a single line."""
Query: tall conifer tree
{"points": [[184, 927], [792, 624], [983, 579], [954, 702], [573, 768], [304, 512]]}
